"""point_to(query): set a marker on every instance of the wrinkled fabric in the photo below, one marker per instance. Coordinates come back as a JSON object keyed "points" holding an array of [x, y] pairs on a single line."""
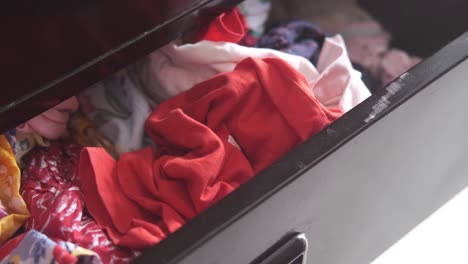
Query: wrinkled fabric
{"points": [[3, 212], [229, 27], [174, 69], [119, 110], [210, 139], [394, 63], [50, 187], [25, 142], [256, 14], [84, 132], [51, 124], [368, 44], [36, 248], [296, 37], [13, 207]]}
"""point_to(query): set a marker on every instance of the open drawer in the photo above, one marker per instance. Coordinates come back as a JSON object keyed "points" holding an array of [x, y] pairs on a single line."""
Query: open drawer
{"points": [[344, 196], [354, 189]]}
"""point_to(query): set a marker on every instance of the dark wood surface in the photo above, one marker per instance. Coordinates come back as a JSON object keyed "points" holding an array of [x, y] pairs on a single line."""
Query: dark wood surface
{"points": [[355, 212], [52, 49]]}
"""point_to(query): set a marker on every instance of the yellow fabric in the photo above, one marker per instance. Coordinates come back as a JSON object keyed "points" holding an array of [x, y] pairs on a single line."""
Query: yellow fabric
{"points": [[10, 198], [79, 251], [84, 133]]}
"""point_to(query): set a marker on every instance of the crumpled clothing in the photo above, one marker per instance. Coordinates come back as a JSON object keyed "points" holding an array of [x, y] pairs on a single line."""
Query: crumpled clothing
{"points": [[394, 63], [296, 37], [369, 45], [210, 140], [11, 201], [256, 14], [229, 26], [174, 69], [119, 110], [51, 124], [25, 142], [50, 187], [36, 248], [366, 43], [84, 132]]}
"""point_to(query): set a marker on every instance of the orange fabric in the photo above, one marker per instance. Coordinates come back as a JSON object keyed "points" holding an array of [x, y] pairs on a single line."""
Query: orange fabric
{"points": [[210, 139], [10, 198]]}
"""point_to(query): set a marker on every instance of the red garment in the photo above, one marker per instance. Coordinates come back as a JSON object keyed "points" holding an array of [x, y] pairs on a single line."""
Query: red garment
{"points": [[50, 188], [210, 139], [228, 27]]}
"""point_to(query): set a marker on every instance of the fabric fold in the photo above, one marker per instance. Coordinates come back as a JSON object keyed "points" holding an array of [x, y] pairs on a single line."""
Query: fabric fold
{"points": [[51, 124], [210, 140], [12, 205], [174, 69], [51, 189]]}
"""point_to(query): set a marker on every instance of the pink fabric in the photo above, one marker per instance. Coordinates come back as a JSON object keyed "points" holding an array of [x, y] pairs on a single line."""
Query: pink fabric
{"points": [[174, 69], [394, 63], [51, 124], [368, 44]]}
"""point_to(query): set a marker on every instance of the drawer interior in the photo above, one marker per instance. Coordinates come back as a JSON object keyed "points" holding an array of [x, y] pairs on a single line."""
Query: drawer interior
{"points": [[361, 190], [353, 189]]}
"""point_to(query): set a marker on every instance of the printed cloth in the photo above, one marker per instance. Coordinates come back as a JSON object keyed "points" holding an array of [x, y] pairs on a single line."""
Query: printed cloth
{"points": [[25, 142], [229, 27], [84, 132], [13, 208], [119, 110], [50, 187], [36, 248], [210, 139]]}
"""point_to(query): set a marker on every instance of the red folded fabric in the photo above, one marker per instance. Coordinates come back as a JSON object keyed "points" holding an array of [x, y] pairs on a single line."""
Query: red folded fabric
{"points": [[50, 189], [211, 139], [228, 27]]}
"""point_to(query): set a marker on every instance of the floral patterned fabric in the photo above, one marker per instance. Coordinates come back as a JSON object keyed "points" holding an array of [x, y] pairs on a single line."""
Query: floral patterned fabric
{"points": [[84, 132], [50, 189], [119, 110], [36, 248], [13, 210]]}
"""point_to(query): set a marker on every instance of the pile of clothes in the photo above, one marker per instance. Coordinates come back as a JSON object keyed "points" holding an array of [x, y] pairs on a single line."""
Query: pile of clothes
{"points": [[130, 160]]}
